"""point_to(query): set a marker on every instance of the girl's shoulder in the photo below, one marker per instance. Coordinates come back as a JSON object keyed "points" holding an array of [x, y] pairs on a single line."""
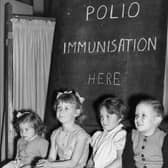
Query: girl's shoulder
{"points": [[121, 134], [95, 137], [21, 141], [97, 134], [56, 132], [39, 142], [40, 139], [81, 133]]}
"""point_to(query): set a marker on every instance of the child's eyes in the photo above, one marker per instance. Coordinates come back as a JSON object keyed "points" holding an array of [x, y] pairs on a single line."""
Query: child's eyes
{"points": [[67, 108], [60, 108], [137, 116], [143, 115], [103, 117]]}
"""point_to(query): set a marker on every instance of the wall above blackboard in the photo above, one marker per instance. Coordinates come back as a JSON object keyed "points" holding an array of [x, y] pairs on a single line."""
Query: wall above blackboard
{"points": [[107, 47]]}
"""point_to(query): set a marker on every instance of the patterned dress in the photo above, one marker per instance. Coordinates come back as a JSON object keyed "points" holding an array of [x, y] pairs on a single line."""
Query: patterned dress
{"points": [[28, 151], [66, 143]]}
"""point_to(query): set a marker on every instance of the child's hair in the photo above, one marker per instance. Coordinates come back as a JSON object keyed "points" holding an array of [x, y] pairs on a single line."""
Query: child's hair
{"points": [[29, 116], [114, 105], [156, 105], [71, 97]]}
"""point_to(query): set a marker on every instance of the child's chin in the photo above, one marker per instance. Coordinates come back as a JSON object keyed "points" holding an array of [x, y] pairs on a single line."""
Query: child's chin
{"points": [[140, 129], [27, 138]]}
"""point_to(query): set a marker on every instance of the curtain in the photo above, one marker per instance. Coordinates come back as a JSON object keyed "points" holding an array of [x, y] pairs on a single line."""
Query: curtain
{"points": [[32, 47]]}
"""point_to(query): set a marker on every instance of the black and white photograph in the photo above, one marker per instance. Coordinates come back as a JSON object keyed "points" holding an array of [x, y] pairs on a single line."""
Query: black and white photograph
{"points": [[83, 83]]}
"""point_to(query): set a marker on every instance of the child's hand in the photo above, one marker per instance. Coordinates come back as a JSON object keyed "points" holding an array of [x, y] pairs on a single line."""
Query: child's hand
{"points": [[43, 163]]}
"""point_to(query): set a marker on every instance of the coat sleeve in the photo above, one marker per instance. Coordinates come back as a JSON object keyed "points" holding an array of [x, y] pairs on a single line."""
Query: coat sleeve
{"points": [[128, 154], [165, 152]]}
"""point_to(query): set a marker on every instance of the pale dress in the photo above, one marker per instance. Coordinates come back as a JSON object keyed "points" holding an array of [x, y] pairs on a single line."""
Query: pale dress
{"points": [[28, 151], [66, 143], [106, 146]]}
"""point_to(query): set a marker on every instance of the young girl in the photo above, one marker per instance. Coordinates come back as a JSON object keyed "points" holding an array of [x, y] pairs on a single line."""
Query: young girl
{"points": [[149, 143], [31, 144], [108, 144], [69, 142]]}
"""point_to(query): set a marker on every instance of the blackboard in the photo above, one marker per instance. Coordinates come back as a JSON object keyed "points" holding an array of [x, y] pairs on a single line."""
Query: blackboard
{"points": [[107, 47]]}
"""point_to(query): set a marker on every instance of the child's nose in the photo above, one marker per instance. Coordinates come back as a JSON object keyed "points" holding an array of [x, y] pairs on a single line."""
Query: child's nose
{"points": [[103, 120], [139, 119]]}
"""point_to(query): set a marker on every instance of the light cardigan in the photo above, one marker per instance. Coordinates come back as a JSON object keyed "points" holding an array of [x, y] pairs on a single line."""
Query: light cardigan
{"points": [[129, 155], [106, 145]]}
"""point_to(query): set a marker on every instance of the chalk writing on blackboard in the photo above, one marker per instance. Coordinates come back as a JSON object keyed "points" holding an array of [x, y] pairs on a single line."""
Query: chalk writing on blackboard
{"points": [[102, 12], [102, 78], [111, 46]]}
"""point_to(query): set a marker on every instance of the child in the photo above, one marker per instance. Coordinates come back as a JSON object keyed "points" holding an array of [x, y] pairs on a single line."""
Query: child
{"points": [[69, 142], [31, 145], [108, 144], [149, 143]]}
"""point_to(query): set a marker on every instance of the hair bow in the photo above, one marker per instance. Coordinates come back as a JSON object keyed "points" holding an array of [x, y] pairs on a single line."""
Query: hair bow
{"points": [[19, 114], [81, 99], [61, 93]]}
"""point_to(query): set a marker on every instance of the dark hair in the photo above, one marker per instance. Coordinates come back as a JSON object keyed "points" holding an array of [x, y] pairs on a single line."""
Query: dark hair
{"points": [[114, 105], [156, 105], [28, 116]]}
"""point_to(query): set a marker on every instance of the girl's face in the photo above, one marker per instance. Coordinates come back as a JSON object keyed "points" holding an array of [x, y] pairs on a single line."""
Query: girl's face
{"points": [[67, 112], [27, 131], [108, 121], [146, 119]]}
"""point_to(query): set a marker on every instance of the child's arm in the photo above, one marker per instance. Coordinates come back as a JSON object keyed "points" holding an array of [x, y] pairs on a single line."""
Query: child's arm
{"points": [[119, 144], [53, 148], [78, 151], [19, 161], [116, 162], [43, 148], [52, 152]]}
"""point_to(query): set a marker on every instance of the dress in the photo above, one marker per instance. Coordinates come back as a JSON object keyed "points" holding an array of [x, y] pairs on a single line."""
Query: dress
{"points": [[146, 152], [106, 146], [29, 151], [66, 142]]}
